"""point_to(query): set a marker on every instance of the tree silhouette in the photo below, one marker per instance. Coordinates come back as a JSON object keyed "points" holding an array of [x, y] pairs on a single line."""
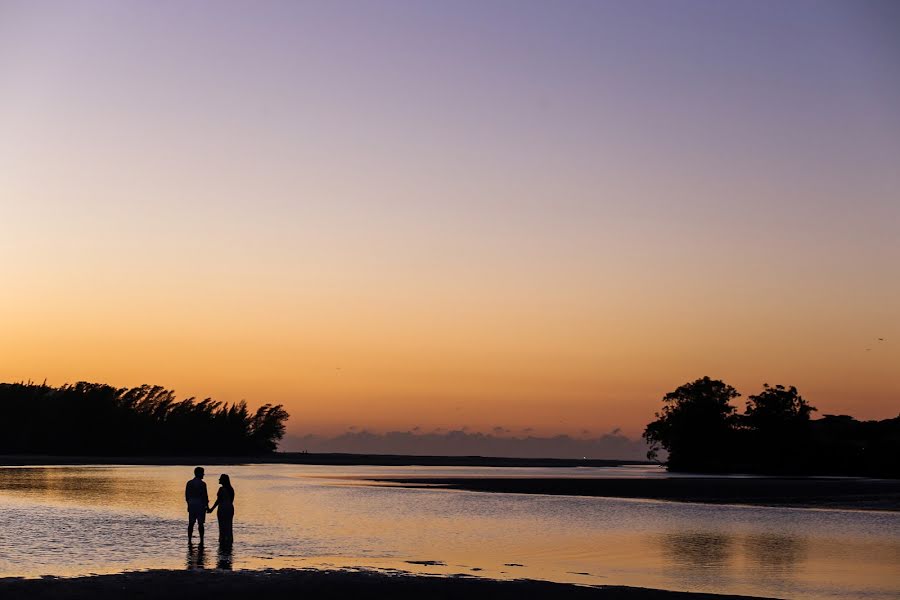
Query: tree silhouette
{"points": [[777, 428], [696, 426], [98, 419], [701, 431], [777, 407]]}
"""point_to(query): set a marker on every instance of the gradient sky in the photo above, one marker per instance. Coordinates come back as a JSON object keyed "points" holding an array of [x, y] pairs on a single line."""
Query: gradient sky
{"points": [[395, 214]]}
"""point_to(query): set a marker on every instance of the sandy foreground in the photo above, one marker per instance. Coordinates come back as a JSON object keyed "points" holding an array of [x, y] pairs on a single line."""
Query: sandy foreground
{"points": [[299, 583]]}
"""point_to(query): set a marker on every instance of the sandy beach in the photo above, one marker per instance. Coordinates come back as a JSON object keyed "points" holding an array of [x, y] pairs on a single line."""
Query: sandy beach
{"points": [[292, 583]]}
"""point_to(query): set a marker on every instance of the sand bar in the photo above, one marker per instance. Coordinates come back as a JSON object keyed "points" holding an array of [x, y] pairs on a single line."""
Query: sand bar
{"points": [[809, 492]]}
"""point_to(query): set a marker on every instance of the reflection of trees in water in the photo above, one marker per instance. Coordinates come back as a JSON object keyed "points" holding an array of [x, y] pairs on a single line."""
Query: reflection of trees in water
{"points": [[79, 484], [706, 557], [775, 552], [698, 558], [87, 485], [24, 480], [699, 549]]}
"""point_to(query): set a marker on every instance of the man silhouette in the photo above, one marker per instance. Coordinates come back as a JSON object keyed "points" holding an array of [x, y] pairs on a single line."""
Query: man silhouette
{"points": [[197, 503]]}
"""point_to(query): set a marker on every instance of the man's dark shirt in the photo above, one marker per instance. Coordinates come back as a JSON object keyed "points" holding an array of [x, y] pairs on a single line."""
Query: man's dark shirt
{"points": [[196, 495]]}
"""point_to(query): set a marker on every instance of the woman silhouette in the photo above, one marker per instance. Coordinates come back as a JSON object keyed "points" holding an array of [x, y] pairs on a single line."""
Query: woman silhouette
{"points": [[225, 504]]}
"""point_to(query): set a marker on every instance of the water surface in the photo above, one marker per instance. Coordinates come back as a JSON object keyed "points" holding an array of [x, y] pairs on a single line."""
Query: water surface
{"points": [[80, 520]]}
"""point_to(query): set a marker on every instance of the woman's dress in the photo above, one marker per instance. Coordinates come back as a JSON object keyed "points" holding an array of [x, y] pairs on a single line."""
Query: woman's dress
{"points": [[225, 513]]}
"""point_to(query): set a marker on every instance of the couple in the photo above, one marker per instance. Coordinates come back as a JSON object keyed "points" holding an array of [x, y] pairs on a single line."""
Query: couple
{"points": [[198, 505]]}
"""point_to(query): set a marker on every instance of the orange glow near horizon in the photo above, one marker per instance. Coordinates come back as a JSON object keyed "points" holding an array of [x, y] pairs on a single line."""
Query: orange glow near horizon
{"points": [[387, 366]]}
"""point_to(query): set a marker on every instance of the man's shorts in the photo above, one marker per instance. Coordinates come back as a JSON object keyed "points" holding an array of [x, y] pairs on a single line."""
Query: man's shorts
{"points": [[197, 513]]}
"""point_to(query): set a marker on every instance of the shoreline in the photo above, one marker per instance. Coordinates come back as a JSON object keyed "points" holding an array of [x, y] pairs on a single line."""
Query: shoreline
{"points": [[845, 493], [304, 458], [275, 584], [808, 492]]}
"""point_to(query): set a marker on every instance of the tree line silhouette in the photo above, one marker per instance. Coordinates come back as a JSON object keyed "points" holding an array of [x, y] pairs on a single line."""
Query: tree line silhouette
{"points": [[101, 420], [701, 431]]}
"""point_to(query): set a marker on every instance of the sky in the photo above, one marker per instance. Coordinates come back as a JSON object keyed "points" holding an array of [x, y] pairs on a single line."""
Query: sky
{"points": [[513, 218]]}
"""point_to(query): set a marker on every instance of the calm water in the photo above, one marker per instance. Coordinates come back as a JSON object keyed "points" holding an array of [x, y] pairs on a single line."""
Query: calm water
{"points": [[79, 520]]}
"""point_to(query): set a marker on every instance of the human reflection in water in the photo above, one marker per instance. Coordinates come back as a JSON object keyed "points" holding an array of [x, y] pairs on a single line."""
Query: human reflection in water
{"points": [[225, 504], [196, 557], [225, 560]]}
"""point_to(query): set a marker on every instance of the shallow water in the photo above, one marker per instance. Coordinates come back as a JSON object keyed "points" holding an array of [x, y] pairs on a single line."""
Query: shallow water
{"points": [[79, 520]]}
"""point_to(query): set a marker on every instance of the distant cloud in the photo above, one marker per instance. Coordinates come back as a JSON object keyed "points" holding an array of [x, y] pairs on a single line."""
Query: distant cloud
{"points": [[460, 442]]}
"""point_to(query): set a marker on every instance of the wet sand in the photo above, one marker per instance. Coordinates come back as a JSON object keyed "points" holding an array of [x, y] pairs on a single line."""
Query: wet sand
{"points": [[295, 583], [811, 492]]}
